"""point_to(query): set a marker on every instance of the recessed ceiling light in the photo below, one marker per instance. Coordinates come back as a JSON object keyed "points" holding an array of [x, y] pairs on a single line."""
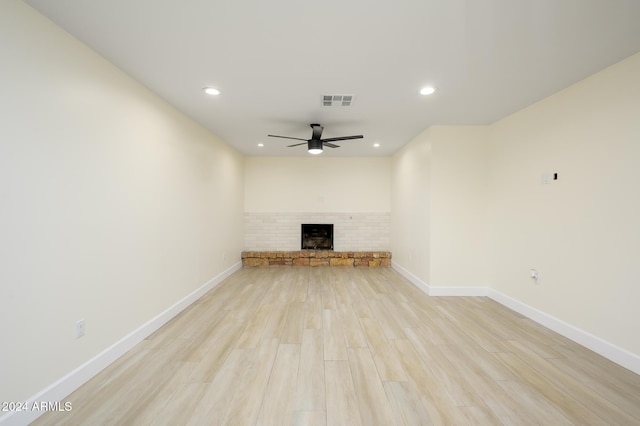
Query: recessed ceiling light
{"points": [[427, 90], [211, 91], [376, 145], [260, 145]]}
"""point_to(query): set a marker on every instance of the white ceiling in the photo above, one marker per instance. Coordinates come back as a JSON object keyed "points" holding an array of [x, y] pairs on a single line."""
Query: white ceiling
{"points": [[273, 60]]}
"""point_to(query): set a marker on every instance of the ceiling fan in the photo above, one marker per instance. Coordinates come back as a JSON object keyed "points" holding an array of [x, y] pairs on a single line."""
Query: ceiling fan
{"points": [[315, 144]]}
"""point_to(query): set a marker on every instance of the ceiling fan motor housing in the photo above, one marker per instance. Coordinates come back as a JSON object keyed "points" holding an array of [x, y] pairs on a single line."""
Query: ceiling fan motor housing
{"points": [[315, 144]]}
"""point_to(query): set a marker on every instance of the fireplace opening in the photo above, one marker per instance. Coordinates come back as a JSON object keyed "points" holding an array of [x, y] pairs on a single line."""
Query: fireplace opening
{"points": [[317, 236]]}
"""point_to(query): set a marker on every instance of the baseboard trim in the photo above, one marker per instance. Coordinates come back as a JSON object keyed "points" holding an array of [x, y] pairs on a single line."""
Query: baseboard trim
{"points": [[67, 384], [408, 275], [600, 346], [439, 290]]}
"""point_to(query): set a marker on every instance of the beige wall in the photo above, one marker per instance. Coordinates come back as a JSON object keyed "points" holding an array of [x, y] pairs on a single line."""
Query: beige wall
{"points": [[113, 205], [410, 206], [581, 232], [353, 194], [317, 184], [475, 194], [458, 206], [439, 206]]}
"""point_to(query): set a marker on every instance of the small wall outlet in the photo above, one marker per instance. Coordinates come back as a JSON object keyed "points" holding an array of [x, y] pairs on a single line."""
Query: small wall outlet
{"points": [[545, 178], [80, 330], [534, 275]]}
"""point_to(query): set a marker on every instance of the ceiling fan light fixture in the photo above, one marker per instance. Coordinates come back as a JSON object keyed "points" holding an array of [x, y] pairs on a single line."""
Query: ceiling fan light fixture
{"points": [[315, 147], [427, 90]]}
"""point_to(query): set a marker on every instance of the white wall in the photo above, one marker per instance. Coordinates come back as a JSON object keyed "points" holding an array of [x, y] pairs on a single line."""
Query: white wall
{"points": [[458, 206], [411, 207], [113, 205], [317, 184], [351, 193], [439, 207], [581, 232]]}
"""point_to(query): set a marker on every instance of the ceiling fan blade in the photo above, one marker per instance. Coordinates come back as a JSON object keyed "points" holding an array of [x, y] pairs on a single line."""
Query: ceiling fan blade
{"points": [[287, 137], [317, 131], [297, 144], [330, 145], [342, 138]]}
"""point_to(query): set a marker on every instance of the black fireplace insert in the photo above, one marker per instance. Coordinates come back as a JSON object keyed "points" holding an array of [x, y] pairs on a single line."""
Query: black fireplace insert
{"points": [[317, 236]]}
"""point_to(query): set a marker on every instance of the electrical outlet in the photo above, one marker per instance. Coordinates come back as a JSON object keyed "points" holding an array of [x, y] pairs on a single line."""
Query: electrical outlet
{"points": [[545, 179], [80, 328], [534, 276]]}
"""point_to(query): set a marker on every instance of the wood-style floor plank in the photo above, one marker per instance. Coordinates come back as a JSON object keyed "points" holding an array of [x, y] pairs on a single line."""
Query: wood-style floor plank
{"points": [[406, 404], [310, 391], [215, 401], [309, 418], [342, 402], [277, 404], [353, 334], [335, 347], [294, 326], [373, 404], [389, 368], [250, 388], [313, 312], [351, 346], [440, 407]]}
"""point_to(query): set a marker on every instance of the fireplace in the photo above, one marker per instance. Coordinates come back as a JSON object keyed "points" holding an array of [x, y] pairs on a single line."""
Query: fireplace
{"points": [[317, 236]]}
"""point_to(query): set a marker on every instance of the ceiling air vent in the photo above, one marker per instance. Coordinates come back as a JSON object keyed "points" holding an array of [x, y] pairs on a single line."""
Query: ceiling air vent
{"points": [[337, 100]]}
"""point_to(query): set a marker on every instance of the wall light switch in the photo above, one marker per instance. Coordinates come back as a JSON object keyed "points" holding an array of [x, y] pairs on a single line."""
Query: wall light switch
{"points": [[80, 330]]}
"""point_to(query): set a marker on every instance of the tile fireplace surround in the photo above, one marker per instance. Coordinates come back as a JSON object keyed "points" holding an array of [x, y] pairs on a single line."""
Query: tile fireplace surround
{"points": [[352, 231], [316, 258]]}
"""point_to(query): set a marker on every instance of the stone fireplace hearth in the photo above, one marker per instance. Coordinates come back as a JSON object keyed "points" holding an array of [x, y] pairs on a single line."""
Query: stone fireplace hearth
{"points": [[316, 258]]}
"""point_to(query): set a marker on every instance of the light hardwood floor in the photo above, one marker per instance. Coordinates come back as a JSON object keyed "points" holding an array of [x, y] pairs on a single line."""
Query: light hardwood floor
{"points": [[352, 346]]}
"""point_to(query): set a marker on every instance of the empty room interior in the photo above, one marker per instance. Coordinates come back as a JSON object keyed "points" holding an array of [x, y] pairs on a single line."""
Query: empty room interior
{"points": [[414, 212]]}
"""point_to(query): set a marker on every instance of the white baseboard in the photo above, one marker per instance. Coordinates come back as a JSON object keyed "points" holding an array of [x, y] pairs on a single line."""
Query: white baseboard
{"points": [[608, 350], [66, 385], [408, 275], [440, 290]]}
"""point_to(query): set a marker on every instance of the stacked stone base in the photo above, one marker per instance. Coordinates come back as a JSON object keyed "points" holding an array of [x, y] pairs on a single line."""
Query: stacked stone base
{"points": [[316, 258]]}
